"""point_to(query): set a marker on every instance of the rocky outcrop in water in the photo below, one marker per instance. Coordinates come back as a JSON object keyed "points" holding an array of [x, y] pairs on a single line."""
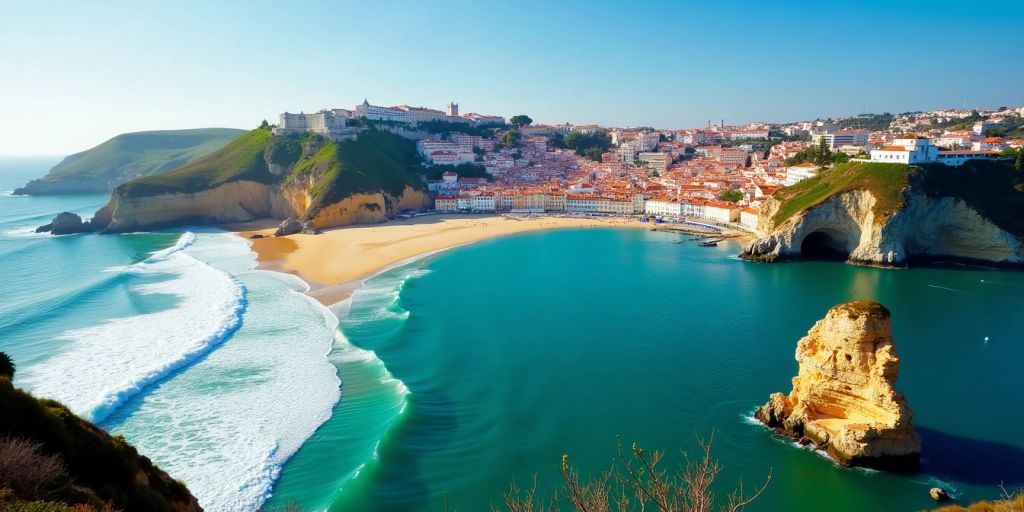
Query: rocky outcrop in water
{"points": [[65, 223], [843, 399], [845, 226], [896, 216]]}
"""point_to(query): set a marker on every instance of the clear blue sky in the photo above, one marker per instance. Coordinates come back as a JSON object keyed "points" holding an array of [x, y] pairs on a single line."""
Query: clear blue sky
{"points": [[73, 73]]}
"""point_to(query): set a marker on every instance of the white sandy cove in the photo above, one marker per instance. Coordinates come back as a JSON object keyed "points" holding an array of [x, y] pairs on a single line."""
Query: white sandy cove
{"points": [[334, 261]]}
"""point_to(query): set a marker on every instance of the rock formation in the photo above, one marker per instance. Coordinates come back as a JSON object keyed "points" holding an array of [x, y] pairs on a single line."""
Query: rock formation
{"points": [[65, 223], [926, 227], [843, 399], [897, 215], [289, 226]]}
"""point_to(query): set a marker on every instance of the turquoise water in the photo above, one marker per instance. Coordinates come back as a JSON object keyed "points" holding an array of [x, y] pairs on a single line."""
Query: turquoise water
{"points": [[454, 374], [215, 371], [515, 351]]}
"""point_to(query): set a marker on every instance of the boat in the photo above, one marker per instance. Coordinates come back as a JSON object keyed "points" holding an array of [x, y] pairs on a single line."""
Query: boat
{"points": [[708, 244]]}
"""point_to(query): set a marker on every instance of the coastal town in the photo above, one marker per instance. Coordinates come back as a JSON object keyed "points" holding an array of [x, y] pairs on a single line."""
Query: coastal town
{"points": [[717, 174]]}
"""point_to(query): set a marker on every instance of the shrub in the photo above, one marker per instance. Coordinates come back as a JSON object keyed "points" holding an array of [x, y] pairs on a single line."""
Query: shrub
{"points": [[28, 472]]}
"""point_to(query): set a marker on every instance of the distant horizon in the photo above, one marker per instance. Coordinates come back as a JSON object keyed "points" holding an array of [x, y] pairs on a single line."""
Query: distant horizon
{"points": [[77, 75]]}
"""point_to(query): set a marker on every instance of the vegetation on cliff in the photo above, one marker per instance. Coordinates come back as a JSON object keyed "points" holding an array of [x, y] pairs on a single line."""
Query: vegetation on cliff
{"points": [[242, 159], [992, 188], [885, 181], [131, 155], [638, 481], [377, 161], [50, 459]]}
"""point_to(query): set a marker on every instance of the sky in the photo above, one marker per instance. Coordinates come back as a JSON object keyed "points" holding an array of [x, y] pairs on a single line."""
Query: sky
{"points": [[73, 73]]}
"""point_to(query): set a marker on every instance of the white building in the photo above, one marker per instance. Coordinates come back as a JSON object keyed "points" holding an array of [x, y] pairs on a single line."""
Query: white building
{"points": [[906, 151], [664, 207], [748, 218], [484, 202], [797, 173], [656, 161], [840, 138], [377, 113], [324, 122], [957, 157]]}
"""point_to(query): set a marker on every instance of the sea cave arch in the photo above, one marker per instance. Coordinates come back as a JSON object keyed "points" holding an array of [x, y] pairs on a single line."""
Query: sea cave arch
{"points": [[828, 245]]}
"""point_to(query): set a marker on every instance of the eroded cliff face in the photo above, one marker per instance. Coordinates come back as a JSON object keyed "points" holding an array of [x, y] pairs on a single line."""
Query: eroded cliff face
{"points": [[368, 208], [237, 201], [846, 226], [243, 201], [843, 399]]}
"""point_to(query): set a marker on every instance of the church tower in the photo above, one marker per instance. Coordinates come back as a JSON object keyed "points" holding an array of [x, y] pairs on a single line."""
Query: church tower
{"points": [[453, 109]]}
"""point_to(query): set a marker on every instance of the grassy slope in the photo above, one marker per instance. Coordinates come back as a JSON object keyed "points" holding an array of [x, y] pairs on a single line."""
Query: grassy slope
{"points": [[994, 189], [376, 161], [142, 153], [886, 181], [241, 159], [102, 468]]}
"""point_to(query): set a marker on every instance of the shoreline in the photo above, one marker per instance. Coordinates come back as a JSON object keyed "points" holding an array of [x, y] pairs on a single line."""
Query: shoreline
{"points": [[336, 262]]}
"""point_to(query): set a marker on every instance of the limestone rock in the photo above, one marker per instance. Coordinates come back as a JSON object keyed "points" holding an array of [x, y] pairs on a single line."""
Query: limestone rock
{"points": [[925, 228], [65, 223], [843, 397], [289, 226]]}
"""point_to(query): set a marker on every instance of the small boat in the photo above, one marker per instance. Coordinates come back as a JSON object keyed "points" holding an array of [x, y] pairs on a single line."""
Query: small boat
{"points": [[708, 244]]}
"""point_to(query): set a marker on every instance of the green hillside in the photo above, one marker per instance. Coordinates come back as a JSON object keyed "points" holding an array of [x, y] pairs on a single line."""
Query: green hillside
{"points": [[128, 156], [241, 159], [994, 189], [376, 161], [51, 460], [885, 181]]}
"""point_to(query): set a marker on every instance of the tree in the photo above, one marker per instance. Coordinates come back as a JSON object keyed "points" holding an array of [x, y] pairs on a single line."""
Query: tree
{"points": [[635, 483], [823, 156], [6, 366], [511, 139], [264, 125], [1019, 162], [590, 145], [732, 196], [520, 121]]}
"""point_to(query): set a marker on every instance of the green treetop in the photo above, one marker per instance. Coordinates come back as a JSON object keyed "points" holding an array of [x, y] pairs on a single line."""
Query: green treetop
{"points": [[520, 121]]}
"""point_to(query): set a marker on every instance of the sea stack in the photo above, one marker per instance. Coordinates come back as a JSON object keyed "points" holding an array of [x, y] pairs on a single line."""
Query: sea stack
{"points": [[843, 398]]}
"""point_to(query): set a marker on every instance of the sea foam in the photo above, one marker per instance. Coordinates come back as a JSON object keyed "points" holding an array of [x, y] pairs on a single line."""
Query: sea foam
{"points": [[101, 366]]}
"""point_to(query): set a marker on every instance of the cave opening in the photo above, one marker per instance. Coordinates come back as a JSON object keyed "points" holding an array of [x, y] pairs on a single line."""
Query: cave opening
{"points": [[823, 245]]}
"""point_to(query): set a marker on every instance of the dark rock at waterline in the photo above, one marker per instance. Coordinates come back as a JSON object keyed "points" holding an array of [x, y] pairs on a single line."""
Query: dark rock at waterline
{"points": [[256, 235], [289, 226], [65, 223]]}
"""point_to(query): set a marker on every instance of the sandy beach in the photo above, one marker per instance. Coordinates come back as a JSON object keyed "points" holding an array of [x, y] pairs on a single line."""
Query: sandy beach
{"points": [[336, 261]]}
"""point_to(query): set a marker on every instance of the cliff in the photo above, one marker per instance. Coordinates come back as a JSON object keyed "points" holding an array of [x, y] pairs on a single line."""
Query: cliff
{"points": [[895, 215], [259, 175], [51, 459], [843, 399], [126, 157]]}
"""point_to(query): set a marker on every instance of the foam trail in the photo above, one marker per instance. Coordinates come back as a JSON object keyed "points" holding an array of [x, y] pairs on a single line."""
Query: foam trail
{"points": [[239, 414], [103, 365], [945, 288]]}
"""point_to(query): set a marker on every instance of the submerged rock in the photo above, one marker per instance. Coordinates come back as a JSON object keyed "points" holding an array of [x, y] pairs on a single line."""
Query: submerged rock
{"points": [[65, 223], [289, 226], [843, 399]]}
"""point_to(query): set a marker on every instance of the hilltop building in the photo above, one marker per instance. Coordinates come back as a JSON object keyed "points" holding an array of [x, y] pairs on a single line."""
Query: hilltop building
{"points": [[324, 123]]}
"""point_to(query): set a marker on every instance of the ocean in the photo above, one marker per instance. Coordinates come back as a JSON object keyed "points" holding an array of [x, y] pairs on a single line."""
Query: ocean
{"points": [[447, 378]]}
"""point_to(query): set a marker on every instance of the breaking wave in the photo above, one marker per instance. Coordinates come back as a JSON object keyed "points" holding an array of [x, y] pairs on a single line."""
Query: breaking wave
{"points": [[101, 366]]}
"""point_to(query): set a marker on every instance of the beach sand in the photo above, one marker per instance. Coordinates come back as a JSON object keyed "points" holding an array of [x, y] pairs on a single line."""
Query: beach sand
{"points": [[335, 262]]}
